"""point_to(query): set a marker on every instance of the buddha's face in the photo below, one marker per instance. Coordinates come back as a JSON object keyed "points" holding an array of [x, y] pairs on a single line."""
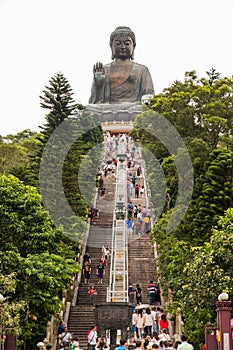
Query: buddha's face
{"points": [[122, 47]]}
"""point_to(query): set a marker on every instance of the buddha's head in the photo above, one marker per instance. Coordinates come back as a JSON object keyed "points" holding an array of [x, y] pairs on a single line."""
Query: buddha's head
{"points": [[122, 43]]}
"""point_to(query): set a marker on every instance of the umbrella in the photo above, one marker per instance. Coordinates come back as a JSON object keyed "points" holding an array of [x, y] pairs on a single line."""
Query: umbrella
{"points": [[142, 306]]}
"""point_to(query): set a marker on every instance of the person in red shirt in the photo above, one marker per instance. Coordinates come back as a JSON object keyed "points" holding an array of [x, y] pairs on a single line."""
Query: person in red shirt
{"points": [[163, 323], [93, 295]]}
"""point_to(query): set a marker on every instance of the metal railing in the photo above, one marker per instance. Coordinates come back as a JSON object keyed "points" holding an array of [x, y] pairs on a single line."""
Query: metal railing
{"points": [[118, 287]]}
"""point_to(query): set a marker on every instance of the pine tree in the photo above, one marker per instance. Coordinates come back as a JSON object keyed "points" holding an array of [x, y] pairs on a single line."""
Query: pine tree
{"points": [[58, 99], [65, 140]]}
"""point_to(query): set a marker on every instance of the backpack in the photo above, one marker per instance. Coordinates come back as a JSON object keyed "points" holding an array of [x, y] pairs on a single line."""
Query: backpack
{"points": [[131, 289], [88, 332]]}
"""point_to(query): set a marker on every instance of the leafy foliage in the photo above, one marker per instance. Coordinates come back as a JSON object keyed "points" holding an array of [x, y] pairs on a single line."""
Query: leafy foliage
{"points": [[15, 153], [39, 256], [193, 259], [208, 274]]}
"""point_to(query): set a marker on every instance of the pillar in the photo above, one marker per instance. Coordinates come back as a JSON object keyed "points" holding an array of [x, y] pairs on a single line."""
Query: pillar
{"points": [[211, 337], [124, 334], [11, 342], [113, 336], [224, 322]]}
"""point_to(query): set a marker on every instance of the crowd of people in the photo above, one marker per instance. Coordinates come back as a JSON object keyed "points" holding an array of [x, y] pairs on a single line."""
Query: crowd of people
{"points": [[150, 328], [160, 341], [100, 268], [138, 215], [150, 322], [65, 340], [138, 219], [135, 294], [99, 271], [93, 214], [148, 343]]}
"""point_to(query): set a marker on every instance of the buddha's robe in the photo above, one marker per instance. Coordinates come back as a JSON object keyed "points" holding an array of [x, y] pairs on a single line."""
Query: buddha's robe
{"points": [[129, 87]]}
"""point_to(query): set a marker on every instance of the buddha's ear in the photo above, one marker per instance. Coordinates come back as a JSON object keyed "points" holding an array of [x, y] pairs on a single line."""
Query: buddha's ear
{"points": [[113, 56], [132, 55]]}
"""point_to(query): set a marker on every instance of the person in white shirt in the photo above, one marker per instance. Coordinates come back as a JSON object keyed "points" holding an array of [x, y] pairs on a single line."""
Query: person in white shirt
{"points": [[164, 336], [92, 338], [153, 313], [76, 345], [134, 321], [65, 337], [184, 344]]}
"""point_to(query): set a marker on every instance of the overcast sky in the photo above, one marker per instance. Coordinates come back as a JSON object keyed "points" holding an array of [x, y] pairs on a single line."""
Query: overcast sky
{"points": [[42, 37]]}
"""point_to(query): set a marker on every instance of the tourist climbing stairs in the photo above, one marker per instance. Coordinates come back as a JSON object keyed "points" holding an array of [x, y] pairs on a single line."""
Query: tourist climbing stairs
{"points": [[81, 316]]}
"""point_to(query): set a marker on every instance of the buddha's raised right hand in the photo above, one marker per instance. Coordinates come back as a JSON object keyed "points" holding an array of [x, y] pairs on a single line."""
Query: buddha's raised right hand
{"points": [[99, 74], [98, 67]]}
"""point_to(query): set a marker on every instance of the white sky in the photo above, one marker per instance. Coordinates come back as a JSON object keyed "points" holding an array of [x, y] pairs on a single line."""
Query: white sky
{"points": [[41, 37]]}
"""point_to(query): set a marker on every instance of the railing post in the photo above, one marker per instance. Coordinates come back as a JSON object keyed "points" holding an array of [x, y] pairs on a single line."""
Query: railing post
{"points": [[224, 322], [211, 337], [11, 342]]}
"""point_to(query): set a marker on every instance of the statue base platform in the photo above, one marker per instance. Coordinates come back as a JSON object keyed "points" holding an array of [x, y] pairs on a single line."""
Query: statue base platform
{"points": [[123, 127], [116, 118], [115, 111]]}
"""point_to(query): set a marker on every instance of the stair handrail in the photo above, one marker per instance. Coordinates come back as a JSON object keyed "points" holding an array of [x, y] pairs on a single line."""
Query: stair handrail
{"points": [[111, 280], [119, 225], [109, 295], [127, 265]]}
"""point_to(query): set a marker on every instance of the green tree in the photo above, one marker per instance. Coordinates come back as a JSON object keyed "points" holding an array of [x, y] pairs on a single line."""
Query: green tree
{"points": [[202, 115], [208, 274], [215, 188], [10, 310], [39, 255], [66, 138], [58, 100], [191, 259], [25, 226], [197, 107], [15, 154]]}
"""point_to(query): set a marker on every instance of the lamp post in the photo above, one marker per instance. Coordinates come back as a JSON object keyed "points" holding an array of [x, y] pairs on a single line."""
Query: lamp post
{"points": [[1, 322], [224, 321], [121, 157]]}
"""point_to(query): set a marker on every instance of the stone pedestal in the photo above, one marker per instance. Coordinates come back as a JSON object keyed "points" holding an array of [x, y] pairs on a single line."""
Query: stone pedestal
{"points": [[116, 117], [115, 111], [113, 316]]}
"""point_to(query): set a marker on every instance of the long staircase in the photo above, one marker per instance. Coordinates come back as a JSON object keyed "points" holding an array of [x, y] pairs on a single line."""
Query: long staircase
{"points": [[81, 316], [140, 260]]}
